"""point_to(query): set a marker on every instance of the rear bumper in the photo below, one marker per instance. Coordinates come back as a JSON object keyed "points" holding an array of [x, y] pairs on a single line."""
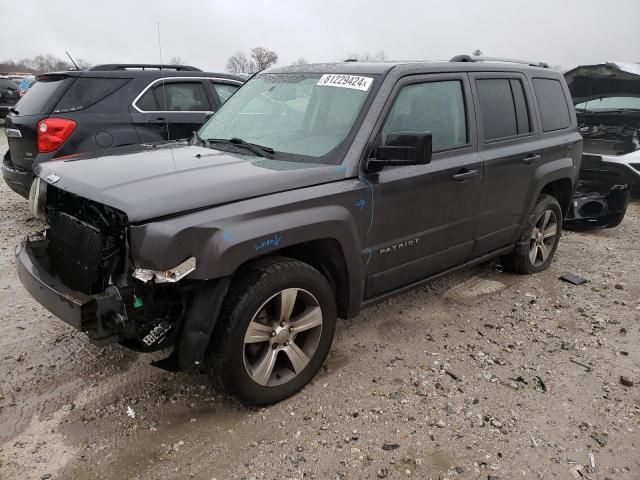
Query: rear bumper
{"points": [[83, 312], [17, 179], [616, 170]]}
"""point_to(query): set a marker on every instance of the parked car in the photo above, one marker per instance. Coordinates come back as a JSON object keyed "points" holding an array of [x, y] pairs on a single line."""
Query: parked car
{"points": [[25, 84], [8, 96], [315, 191], [16, 78], [607, 102], [76, 112]]}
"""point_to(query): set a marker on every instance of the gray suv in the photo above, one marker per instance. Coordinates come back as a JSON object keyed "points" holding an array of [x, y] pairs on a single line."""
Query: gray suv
{"points": [[313, 192]]}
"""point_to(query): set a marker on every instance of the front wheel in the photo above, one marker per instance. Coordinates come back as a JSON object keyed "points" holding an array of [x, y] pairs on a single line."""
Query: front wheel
{"points": [[539, 241], [275, 331]]}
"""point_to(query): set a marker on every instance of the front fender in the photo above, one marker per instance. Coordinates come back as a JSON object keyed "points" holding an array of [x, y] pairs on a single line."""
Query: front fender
{"points": [[225, 237]]}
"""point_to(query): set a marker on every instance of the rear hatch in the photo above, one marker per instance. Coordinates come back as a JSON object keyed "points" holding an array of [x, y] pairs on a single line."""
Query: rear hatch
{"points": [[9, 93], [22, 123]]}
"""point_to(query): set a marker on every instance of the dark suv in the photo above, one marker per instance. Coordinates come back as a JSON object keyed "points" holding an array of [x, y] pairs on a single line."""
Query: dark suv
{"points": [[76, 112], [9, 95], [313, 192]]}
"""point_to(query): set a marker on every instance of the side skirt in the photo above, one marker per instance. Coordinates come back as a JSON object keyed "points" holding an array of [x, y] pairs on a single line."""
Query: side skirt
{"points": [[463, 266]]}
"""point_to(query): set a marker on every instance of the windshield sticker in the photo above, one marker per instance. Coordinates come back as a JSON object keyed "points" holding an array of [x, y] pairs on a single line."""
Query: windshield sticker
{"points": [[346, 81]]}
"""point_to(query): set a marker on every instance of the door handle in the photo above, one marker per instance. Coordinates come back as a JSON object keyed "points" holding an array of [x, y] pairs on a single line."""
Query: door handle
{"points": [[464, 175], [529, 159], [158, 121]]}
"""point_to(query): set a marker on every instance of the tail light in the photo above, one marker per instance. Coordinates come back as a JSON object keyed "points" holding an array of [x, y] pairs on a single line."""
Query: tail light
{"points": [[53, 132]]}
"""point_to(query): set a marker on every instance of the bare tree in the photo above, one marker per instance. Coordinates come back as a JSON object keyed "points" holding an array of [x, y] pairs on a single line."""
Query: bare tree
{"points": [[263, 57], [176, 61], [300, 61], [83, 64], [260, 59], [379, 56], [40, 64], [240, 63]]}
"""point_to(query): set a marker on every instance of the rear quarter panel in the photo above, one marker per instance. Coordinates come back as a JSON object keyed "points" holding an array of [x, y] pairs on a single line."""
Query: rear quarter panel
{"points": [[561, 149]]}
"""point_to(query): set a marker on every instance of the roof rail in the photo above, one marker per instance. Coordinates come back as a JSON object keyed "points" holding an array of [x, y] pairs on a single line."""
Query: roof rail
{"points": [[143, 66], [469, 58]]}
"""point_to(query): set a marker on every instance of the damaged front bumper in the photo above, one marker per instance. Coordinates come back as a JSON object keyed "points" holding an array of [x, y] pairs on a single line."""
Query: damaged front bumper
{"points": [[104, 317], [91, 314], [603, 192]]}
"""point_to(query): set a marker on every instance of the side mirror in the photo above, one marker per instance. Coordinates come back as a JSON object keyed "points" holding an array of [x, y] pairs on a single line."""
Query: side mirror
{"points": [[403, 148]]}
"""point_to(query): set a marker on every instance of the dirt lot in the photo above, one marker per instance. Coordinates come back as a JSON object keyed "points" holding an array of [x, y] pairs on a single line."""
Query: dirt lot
{"points": [[480, 375]]}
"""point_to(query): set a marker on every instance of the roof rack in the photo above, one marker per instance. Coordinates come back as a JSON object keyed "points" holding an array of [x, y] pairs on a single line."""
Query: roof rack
{"points": [[469, 58], [143, 66]]}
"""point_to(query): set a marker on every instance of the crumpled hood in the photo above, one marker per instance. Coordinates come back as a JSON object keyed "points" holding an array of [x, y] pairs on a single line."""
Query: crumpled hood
{"points": [[604, 80], [150, 181]]}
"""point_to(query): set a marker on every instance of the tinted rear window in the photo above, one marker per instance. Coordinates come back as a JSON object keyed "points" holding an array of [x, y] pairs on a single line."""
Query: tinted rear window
{"points": [[552, 103], [38, 96], [504, 108], [498, 110], [86, 92]]}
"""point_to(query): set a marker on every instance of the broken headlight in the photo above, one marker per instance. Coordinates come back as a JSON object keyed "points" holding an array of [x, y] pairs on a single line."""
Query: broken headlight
{"points": [[172, 275], [38, 198]]}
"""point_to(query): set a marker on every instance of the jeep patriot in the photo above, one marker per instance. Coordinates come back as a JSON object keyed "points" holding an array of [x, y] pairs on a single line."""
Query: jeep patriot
{"points": [[313, 192]]}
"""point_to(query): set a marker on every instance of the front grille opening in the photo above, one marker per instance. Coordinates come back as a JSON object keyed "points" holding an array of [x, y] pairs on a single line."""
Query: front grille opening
{"points": [[86, 241]]}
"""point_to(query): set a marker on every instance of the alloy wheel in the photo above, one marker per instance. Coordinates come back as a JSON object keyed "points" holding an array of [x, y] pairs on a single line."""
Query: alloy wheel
{"points": [[282, 337], [543, 238]]}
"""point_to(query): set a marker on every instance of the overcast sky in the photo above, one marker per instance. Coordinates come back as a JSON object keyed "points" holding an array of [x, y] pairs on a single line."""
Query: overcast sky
{"points": [[206, 32]]}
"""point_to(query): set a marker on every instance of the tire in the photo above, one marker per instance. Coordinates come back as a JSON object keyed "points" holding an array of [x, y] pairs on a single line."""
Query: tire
{"points": [[283, 300], [534, 251]]}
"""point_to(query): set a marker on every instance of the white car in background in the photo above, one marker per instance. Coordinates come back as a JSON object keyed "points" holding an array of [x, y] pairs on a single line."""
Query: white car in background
{"points": [[607, 102]]}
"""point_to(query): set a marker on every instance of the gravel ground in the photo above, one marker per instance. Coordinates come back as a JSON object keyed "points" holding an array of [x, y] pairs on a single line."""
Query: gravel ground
{"points": [[481, 375]]}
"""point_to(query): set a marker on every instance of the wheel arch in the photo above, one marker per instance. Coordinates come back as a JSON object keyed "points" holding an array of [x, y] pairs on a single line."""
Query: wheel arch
{"points": [[558, 179], [327, 256], [562, 190]]}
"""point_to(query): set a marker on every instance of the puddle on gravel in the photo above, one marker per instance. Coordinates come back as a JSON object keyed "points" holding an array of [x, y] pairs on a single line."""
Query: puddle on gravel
{"points": [[474, 290]]}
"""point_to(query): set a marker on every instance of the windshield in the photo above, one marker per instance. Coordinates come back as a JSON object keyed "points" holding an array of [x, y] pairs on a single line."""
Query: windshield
{"points": [[302, 117], [610, 103]]}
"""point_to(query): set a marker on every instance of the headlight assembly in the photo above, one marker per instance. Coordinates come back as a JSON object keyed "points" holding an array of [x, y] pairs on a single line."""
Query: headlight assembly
{"points": [[172, 275], [38, 198]]}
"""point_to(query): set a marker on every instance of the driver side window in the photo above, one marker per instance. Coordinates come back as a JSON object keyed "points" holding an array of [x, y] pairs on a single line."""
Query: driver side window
{"points": [[436, 107]]}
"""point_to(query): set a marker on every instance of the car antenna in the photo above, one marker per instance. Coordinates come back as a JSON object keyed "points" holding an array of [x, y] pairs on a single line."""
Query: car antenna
{"points": [[72, 60], [164, 93]]}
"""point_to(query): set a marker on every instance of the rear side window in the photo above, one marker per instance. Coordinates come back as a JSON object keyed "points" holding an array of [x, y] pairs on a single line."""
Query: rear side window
{"points": [[39, 96], [87, 91], [436, 107], [175, 97], [552, 102], [504, 108], [224, 90]]}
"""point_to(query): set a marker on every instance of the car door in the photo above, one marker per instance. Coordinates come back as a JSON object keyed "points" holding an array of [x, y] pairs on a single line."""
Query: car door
{"points": [[507, 134], [171, 108], [424, 216]]}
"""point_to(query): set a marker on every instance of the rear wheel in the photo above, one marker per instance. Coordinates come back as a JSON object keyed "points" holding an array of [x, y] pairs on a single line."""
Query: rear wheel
{"points": [[276, 329], [537, 245]]}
